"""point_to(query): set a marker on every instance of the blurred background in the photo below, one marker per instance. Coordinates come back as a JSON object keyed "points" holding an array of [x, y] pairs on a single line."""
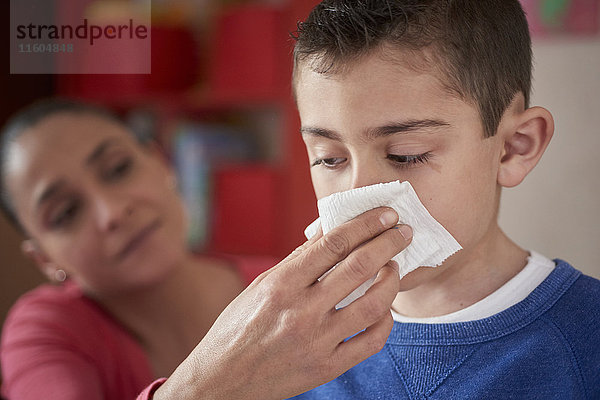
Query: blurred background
{"points": [[555, 211], [218, 100]]}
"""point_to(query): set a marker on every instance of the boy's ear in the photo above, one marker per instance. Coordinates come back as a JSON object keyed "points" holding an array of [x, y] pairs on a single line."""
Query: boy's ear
{"points": [[524, 145], [37, 255]]}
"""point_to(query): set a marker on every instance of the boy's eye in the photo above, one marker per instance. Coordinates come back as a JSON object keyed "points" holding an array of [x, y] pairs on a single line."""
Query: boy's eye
{"points": [[408, 160], [329, 162]]}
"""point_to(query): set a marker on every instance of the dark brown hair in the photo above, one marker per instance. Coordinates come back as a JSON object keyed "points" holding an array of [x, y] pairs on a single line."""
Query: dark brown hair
{"points": [[481, 47]]}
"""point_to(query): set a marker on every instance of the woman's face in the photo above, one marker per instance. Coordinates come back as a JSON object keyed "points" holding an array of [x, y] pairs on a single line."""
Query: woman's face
{"points": [[96, 203]]}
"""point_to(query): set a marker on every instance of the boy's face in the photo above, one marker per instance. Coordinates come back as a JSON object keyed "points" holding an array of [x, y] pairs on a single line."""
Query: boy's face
{"points": [[381, 121]]}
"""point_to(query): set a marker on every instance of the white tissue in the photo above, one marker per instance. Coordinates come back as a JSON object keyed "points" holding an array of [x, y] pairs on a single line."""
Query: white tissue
{"points": [[431, 243]]}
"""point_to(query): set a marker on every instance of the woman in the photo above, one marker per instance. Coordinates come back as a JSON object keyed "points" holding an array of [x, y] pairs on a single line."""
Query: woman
{"points": [[102, 216]]}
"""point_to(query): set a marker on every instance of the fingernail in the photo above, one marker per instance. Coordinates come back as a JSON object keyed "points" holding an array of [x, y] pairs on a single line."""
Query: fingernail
{"points": [[405, 231], [388, 218]]}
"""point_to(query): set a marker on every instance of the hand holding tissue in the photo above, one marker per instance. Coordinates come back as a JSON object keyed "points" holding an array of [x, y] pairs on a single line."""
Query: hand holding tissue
{"points": [[431, 243]]}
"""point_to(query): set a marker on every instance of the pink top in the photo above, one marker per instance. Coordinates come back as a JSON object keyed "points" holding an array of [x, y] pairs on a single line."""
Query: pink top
{"points": [[59, 344]]}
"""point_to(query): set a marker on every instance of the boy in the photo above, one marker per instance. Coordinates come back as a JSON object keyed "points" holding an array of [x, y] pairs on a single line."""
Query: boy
{"points": [[436, 92]]}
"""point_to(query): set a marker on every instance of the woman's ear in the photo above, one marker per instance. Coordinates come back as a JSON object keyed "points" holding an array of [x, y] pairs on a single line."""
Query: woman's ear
{"points": [[37, 255], [524, 145]]}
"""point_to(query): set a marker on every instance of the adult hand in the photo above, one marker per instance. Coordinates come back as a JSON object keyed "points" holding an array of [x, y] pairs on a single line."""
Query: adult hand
{"points": [[282, 335]]}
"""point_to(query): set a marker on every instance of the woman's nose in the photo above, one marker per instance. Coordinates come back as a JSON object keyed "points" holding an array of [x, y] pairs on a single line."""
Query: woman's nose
{"points": [[111, 210]]}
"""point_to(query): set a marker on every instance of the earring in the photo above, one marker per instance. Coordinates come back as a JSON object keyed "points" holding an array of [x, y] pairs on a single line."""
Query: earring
{"points": [[60, 275]]}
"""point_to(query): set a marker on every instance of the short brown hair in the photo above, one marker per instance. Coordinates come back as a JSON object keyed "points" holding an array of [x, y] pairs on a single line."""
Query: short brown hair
{"points": [[482, 47]]}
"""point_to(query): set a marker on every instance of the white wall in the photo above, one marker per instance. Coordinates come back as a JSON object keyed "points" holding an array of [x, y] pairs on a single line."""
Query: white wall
{"points": [[556, 210]]}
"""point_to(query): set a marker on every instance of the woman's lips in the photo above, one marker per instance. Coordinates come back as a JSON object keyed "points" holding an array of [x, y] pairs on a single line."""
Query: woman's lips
{"points": [[138, 239]]}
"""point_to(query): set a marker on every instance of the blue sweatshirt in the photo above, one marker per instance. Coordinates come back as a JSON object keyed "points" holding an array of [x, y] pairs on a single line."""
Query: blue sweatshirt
{"points": [[545, 347]]}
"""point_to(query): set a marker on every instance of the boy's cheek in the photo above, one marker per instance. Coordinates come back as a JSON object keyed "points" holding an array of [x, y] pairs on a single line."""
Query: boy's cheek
{"points": [[461, 210], [324, 186]]}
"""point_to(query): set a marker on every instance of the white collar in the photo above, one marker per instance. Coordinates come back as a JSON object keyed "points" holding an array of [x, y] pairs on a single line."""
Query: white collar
{"points": [[515, 290]]}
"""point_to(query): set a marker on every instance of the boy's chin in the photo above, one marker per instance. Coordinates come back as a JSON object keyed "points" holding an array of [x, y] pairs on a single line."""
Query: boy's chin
{"points": [[418, 277]]}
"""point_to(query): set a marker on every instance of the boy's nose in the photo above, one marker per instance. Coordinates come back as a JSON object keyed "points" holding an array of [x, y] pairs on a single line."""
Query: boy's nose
{"points": [[365, 175]]}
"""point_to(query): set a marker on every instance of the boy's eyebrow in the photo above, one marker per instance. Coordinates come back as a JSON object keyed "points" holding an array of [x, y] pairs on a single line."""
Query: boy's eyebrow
{"points": [[322, 132], [406, 127], [412, 125]]}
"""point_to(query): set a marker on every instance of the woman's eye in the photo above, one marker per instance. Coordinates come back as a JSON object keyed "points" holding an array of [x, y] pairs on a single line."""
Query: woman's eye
{"points": [[118, 170], [329, 162], [64, 215], [408, 160]]}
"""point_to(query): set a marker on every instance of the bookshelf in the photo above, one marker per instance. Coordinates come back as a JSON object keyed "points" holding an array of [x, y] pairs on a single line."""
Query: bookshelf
{"points": [[232, 79]]}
